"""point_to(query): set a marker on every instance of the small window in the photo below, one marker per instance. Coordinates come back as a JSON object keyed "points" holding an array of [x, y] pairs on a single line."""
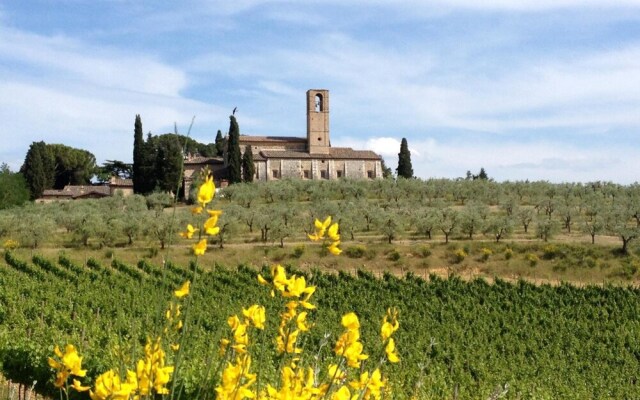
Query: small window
{"points": [[319, 106], [370, 174], [275, 173], [324, 174], [339, 173], [306, 174]]}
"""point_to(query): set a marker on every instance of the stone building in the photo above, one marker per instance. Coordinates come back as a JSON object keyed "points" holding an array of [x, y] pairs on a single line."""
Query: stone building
{"points": [[310, 157], [77, 192], [277, 157]]}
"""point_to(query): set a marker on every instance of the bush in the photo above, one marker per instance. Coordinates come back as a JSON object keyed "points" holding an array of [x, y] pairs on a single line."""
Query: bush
{"points": [[424, 251], [550, 252], [459, 255], [394, 255], [508, 253], [10, 244], [357, 251], [298, 251], [370, 254], [486, 253], [532, 259]]}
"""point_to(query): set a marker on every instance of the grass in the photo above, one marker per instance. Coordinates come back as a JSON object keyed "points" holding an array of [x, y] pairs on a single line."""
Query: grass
{"points": [[563, 260]]}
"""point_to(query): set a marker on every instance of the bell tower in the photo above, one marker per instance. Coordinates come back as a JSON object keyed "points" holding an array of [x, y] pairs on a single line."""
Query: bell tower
{"points": [[318, 121]]}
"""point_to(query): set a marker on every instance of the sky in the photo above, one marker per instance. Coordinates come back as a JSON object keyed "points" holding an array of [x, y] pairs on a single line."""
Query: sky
{"points": [[526, 89]]}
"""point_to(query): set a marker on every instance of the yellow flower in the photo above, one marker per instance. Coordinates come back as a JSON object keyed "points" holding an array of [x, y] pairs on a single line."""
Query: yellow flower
{"points": [[336, 374], [350, 321], [256, 315], [210, 227], [200, 247], [321, 228], [297, 286], [333, 248], [78, 386], [390, 349], [189, 232], [333, 232], [214, 213], [109, 386], [196, 210], [301, 322], [353, 354], [70, 364], [184, 290], [342, 394], [206, 191], [389, 324], [370, 384]]}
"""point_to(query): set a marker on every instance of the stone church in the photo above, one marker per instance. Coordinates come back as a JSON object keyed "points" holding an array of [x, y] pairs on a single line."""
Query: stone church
{"points": [[310, 157]]}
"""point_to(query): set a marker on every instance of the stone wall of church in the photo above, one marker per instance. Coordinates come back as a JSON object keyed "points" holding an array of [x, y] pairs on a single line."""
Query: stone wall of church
{"points": [[275, 168]]}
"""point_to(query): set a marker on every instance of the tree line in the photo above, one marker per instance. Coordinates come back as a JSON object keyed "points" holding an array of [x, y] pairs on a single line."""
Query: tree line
{"points": [[279, 211]]}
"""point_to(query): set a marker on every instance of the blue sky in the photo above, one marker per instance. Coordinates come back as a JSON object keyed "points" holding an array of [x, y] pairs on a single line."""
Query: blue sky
{"points": [[530, 89]]}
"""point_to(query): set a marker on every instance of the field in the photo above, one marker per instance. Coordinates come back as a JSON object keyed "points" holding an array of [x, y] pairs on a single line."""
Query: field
{"points": [[538, 312]]}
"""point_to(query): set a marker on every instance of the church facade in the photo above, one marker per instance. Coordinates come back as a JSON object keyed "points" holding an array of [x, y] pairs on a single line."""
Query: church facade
{"points": [[283, 157], [310, 157]]}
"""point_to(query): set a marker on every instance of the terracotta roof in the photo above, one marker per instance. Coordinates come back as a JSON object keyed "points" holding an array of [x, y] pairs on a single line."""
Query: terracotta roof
{"points": [[74, 191], [258, 157], [336, 153], [272, 139], [348, 152]]}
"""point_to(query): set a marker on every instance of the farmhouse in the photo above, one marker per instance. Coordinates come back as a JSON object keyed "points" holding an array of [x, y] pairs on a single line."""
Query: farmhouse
{"points": [[75, 192], [310, 157]]}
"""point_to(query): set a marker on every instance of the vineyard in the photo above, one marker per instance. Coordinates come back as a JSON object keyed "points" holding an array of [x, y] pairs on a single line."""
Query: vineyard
{"points": [[458, 339]]}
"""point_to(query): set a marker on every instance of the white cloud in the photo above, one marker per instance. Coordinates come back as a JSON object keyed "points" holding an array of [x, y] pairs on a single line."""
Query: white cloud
{"points": [[66, 91], [60, 57]]}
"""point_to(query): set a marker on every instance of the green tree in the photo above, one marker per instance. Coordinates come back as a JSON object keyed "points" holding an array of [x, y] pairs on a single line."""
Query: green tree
{"points": [[233, 152], [72, 166], [116, 168], [248, 169], [148, 180], [404, 169], [219, 143], [386, 171], [168, 163], [138, 157], [498, 227], [13, 188], [38, 169], [483, 174]]}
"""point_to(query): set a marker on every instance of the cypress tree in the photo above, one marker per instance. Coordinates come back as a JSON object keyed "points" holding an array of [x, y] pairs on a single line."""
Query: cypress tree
{"points": [[38, 169], [138, 156], [248, 169], [404, 169], [233, 152], [219, 144], [149, 163], [168, 163]]}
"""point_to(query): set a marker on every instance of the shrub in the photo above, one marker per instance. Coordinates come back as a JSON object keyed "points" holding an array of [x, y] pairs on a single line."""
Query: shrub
{"points": [[394, 255], [508, 253], [532, 259], [357, 251], [550, 252], [486, 253], [298, 251], [370, 254], [10, 244], [459, 255], [424, 251]]}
